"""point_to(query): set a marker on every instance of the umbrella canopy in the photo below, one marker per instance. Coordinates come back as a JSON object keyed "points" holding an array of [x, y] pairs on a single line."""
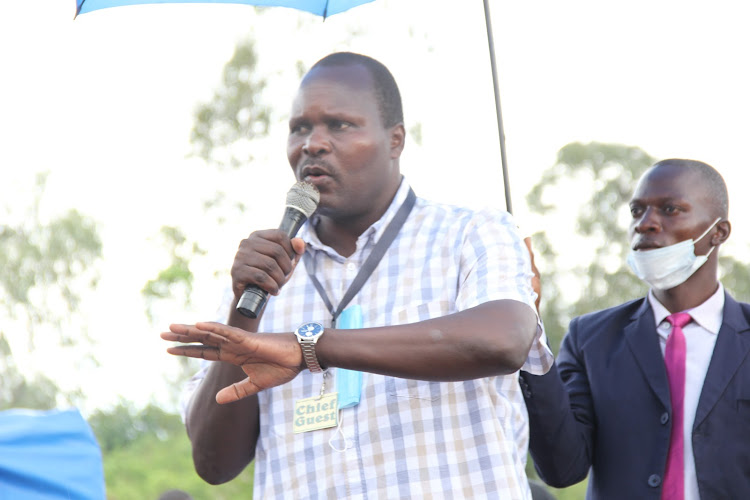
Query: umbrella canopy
{"points": [[320, 7]]}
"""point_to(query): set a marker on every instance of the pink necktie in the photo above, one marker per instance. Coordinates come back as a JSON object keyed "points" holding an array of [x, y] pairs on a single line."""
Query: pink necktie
{"points": [[674, 359]]}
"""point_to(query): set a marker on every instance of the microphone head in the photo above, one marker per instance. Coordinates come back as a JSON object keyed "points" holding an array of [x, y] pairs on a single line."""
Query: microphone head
{"points": [[304, 197]]}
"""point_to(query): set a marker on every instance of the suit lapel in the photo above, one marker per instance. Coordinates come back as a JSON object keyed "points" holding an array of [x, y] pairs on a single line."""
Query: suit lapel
{"points": [[643, 340], [732, 346]]}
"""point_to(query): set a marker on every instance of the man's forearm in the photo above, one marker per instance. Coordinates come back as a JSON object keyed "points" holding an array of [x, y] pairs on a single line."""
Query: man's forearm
{"points": [[491, 339], [223, 436], [560, 445]]}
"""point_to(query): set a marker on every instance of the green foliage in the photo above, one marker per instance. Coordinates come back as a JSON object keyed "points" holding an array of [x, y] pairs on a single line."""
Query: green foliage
{"points": [[123, 425], [45, 266], [235, 115], [575, 492], [147, 452], [17, 391], [602, 176], [177, 272], [735, 276], [45, 263], [175, 282]]}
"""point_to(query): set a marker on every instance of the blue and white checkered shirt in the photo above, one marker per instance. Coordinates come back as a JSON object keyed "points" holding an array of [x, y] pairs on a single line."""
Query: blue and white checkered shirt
{"points": [[407, 438]]}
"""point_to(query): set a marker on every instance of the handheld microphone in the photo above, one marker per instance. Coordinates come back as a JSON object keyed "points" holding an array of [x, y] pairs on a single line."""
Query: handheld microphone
{"points": [[301, 201]]}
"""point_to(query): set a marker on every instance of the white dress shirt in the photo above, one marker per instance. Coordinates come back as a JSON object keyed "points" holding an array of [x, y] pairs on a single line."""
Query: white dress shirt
{"points": [[700, 338]]}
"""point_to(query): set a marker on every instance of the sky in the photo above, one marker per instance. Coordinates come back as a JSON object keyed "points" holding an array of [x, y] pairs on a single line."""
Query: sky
{"points": [[105, 103]]}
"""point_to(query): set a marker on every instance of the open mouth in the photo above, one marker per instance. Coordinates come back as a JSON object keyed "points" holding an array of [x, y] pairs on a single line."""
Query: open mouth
{"points": [[314, 174], [645, 246]]}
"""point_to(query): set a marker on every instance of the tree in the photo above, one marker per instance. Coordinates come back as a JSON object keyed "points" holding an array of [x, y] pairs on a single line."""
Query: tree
{"points": [[18, 391], [45, 266], [224, 130], [225, 126], [146, 452], [175, 281]]}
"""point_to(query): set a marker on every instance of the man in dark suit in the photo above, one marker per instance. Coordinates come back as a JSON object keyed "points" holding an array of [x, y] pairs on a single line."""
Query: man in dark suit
{"points": [[608, 405]]}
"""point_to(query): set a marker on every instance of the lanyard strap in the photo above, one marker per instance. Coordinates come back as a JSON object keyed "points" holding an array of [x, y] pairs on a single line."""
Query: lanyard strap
{"points": [[370, 264]]}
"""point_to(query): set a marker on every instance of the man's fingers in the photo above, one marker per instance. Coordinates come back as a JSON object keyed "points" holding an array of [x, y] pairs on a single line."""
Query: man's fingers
{"points": [[236, 391], [208, 333], [298, 245], [230, 333], [196, 351], [190, 333]]}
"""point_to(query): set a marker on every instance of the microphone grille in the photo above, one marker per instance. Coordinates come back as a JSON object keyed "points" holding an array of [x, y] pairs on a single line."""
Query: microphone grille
{"points": [[304, 197]]}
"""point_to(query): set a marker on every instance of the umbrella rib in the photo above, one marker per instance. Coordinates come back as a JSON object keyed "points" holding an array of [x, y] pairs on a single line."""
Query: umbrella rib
{"points": [[78, 8]]}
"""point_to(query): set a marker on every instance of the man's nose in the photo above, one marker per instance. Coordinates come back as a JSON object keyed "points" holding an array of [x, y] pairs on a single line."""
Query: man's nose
{"points": [[647, 222], [317, 142]]}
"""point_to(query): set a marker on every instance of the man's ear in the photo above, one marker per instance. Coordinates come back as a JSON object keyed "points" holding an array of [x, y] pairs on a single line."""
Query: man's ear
{"points": [[398, 138], [723, 229]]}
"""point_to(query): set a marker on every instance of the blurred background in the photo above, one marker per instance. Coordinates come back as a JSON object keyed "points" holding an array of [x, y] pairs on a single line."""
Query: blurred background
{"points": [[140, 144]]}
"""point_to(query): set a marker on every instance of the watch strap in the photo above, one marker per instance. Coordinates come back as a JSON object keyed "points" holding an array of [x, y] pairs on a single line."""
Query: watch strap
{"points": [[311, 358]]}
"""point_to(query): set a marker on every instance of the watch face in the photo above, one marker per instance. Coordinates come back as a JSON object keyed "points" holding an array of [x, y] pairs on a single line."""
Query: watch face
{"points": [[309, 330]]}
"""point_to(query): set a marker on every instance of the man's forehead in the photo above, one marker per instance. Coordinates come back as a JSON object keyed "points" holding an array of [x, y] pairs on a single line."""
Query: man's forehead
{"points": [[336, 93], [351, 75], [670, 182]]}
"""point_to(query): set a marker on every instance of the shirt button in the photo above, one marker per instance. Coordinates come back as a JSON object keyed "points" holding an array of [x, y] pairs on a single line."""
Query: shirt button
{"points": [[664, 418], [654, 480]]}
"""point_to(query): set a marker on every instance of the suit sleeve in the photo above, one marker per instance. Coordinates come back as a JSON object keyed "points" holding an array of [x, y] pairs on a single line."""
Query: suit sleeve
{"points": [[561, 416]]}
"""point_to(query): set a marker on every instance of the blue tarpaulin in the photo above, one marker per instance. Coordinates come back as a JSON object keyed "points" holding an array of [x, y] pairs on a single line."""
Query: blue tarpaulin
{"points": [[46, 455]]}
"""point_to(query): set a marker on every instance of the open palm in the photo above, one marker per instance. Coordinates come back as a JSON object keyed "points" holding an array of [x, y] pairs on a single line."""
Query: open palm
{"points": [[267, 359]]}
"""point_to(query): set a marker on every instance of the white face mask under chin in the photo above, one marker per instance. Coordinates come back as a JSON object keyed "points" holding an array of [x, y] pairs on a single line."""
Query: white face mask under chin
{"points": [[668, 267]]}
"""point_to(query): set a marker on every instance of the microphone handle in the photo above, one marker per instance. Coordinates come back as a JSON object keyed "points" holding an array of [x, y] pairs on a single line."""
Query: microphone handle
{"points": [[254, 298]]}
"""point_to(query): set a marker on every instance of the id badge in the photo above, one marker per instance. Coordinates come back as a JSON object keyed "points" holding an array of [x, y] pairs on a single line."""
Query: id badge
{"points": [[311, 414]]}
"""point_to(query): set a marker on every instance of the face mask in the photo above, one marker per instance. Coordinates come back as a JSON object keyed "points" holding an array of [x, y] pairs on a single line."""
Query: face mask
{"points": [[667, 267]]}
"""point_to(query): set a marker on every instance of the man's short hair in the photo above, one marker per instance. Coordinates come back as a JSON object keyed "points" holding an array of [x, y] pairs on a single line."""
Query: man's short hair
{"points": [[386, 91], [715, 184]]}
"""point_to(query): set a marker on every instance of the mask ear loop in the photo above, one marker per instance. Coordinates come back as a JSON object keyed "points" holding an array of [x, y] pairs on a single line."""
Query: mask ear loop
{"points": [[704, 235], [339, 433], [707, 230]]}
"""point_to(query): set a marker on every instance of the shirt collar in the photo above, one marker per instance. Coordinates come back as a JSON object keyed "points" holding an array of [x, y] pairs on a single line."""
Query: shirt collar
{"points": [[708, 315], [371, 234]]}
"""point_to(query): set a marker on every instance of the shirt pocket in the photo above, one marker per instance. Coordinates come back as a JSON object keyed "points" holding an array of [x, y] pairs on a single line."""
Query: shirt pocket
{"points": [[417, 391]]}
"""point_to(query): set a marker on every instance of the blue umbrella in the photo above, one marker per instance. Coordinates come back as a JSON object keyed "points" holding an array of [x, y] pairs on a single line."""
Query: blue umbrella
{"points": [[320, 7], [328, 8]]}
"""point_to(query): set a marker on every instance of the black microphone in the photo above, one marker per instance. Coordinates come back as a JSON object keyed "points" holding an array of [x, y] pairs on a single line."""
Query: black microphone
{"points": [[301, 201]]}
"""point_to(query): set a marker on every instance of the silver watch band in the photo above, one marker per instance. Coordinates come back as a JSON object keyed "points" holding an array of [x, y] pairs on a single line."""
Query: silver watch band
{"points": [[311, 359]]}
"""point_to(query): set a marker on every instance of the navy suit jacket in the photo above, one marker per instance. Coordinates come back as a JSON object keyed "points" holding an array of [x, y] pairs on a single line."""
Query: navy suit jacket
{"points": [[605, 407]]}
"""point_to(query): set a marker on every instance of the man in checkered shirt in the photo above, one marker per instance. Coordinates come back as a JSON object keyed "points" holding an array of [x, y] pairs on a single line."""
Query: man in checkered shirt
{"points": [[447, 320]]}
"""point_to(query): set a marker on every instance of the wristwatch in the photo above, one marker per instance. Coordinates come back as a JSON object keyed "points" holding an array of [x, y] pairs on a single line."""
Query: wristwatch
{"points": [[307, 335]]}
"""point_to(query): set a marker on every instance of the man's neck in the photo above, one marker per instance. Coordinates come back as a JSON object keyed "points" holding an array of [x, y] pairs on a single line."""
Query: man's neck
{"points": [[682, 297], [341, 235]]}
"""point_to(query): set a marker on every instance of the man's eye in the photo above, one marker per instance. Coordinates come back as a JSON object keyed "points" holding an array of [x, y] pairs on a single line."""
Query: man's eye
{"points": [[339, 125], [299, 129], [635, 211]]}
